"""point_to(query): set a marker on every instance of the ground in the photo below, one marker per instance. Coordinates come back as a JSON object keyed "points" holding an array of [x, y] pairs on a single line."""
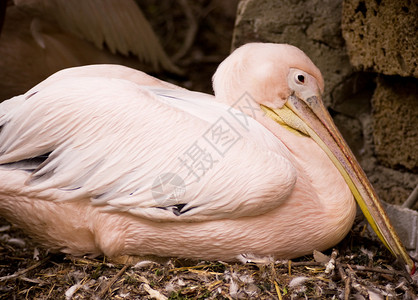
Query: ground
{"points": [[357, 267]]}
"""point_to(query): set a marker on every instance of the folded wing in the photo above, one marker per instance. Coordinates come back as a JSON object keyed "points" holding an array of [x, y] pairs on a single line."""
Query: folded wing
{"points": [[155, 152]]}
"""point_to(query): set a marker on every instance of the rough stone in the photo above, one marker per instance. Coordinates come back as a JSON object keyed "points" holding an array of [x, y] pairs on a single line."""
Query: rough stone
{"points": [[405, 222], [395, 122], [381, 35], [313, 26], [392, 186]]}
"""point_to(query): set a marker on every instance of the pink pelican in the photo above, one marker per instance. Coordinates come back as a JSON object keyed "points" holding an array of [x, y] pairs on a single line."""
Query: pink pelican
{"points": [[104, 159]]}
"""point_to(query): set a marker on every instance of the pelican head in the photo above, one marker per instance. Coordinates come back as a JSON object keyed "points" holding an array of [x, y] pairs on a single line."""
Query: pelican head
{"points": [[287, 87]]}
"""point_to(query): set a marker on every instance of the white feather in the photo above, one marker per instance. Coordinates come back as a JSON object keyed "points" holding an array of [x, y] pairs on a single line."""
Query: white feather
{"points": [[111, 139]]}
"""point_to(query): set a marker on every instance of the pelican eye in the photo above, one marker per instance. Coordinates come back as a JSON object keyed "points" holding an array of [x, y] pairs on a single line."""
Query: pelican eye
{"points": [[300, 79]]}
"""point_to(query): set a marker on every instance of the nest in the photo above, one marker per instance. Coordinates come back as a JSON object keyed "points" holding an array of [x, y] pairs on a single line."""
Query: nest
{"points": [[359, 267]]}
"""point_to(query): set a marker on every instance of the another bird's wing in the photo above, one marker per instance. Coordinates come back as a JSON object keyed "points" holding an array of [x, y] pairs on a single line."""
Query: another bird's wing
{"points": [[161, 154], [120, 25]]}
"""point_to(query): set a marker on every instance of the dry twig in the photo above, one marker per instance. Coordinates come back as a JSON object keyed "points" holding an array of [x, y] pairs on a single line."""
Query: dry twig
{"points": [[21, 272], [412, 199], [104, 291], [347, 282]]}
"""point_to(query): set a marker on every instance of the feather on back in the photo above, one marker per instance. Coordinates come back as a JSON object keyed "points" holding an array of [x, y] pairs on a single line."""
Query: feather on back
{"points": [[111, 139]]}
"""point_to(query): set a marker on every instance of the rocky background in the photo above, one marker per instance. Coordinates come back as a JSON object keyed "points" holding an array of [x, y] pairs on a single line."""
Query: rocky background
{"points": [[367, 52]]}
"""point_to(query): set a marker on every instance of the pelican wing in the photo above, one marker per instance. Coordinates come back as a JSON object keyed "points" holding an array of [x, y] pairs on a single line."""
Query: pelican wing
{"points": [[120, 25], [155, 152]]}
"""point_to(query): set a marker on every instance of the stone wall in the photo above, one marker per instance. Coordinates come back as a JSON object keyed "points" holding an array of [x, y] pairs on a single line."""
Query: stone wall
{"points": [[381, 35], [365, 50]]}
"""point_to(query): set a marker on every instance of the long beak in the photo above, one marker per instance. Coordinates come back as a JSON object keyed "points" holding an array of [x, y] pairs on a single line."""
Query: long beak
{"points": [[311, 118]]}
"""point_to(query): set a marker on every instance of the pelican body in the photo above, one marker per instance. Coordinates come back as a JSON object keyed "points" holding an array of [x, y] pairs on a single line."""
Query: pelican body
{"points": [[104, 159]]}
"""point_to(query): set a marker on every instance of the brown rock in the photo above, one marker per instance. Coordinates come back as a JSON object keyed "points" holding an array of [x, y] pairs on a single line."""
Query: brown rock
{"points": [[395, 122], [381, 35]]}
